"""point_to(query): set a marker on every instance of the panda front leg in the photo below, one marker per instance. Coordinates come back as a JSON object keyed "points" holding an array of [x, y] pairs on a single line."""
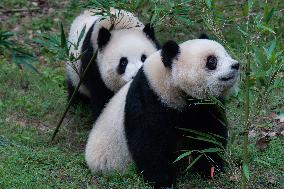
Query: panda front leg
{"points": [[96, 104], [99, 94], [156, 170], [153, 159]]}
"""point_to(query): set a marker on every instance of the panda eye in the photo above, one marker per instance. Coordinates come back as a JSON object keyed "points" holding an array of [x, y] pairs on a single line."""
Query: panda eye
{"points": [[143, 57], [211, 63], [122, 65]]}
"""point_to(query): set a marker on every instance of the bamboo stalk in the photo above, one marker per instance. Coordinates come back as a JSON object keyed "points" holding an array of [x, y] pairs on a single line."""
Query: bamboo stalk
{"points": [[246, 106], [72, 97]]}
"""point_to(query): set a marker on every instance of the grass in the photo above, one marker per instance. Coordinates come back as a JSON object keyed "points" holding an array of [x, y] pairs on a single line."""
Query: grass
{"points": [[31, 104]]}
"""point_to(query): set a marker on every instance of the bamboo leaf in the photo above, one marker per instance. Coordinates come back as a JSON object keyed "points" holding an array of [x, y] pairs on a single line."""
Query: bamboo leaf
{"points": [[193, 162], [271, 49], [218, 102], [82, 33], [185, 20], [206, 140], [183, 155], [206, 135], [263, 162], [23, 60], [211, 150], [265, 28], [250, 4], [245, 10], [208, 4], [154, 16], [138, 4], [268, 16], [63, 39], [246, 171], [5, 35], [245, 34]]}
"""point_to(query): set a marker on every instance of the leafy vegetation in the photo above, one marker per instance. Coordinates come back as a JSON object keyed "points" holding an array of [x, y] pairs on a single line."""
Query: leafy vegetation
{"points": [[31, 103], [19, 55]]}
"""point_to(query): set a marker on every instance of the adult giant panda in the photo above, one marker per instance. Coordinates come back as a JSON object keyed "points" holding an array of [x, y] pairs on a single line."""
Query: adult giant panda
{"points": [[141, 122], [123, 44]]}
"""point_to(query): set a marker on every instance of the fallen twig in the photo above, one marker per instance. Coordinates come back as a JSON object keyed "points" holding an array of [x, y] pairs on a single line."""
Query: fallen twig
{"points": [[19, 10]]}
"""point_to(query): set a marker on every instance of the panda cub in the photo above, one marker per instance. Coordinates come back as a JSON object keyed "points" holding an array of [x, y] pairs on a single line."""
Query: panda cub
{"points": [[123, 44], [141, 122]]}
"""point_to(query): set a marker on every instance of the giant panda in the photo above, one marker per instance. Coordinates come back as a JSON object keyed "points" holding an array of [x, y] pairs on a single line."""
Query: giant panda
{"points": [[123, 43], [141, 123]]}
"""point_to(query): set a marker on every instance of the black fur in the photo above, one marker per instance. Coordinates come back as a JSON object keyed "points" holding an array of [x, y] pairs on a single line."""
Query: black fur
{"points": [[99, 93], [154, 139], [103, 37], [150, 33], [122, 65], [203, 36], [170, 50]]}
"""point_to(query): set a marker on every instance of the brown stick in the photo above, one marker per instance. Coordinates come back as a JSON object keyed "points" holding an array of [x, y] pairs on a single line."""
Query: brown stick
{"points": [[19, 10]]}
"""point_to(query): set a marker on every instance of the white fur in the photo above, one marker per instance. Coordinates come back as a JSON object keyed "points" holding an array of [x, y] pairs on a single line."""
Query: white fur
{"points": [[106, 148], [127, 40]]}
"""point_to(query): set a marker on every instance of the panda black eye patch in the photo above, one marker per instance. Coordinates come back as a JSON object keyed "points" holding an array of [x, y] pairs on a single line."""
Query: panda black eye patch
{"points": [[122, 65], [211, 63], [143, 57]]}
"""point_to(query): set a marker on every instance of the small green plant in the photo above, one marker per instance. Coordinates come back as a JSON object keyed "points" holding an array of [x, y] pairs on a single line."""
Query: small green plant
{"points": [[5, 41], [203, 137], [262, 61], [60, 47], [20, 56], [158, 13]]}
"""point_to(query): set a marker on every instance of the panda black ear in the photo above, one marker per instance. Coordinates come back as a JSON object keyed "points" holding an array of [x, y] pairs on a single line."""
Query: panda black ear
{"points": [[150, 33], [170, 50], [103, 37], [203, 36]]}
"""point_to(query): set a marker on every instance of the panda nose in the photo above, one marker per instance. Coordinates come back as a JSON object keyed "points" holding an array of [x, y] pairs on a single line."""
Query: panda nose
{"points": [[236, 66]]}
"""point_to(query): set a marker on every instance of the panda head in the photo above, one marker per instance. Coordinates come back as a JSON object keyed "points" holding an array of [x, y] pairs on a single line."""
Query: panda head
{"points": [[122, 52], [201, 68], [198, 68]]}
